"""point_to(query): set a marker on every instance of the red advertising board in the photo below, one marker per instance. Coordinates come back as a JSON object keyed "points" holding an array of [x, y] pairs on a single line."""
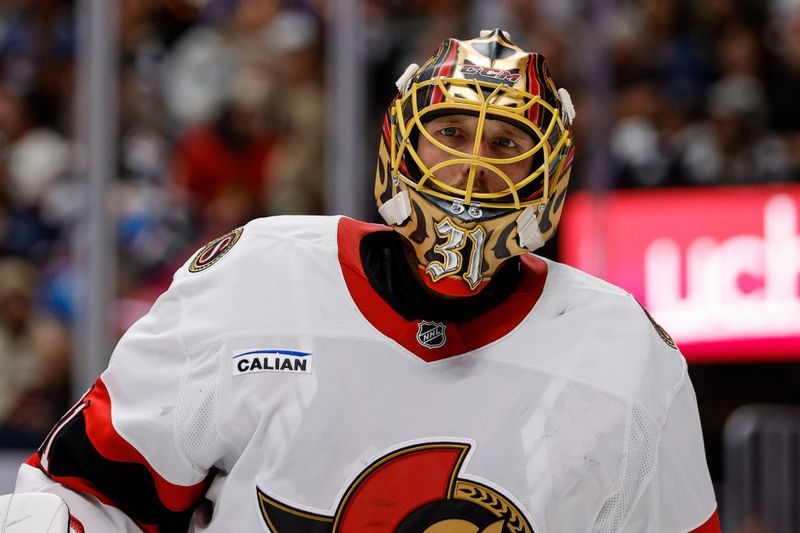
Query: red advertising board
{"points": [[718, 268]]}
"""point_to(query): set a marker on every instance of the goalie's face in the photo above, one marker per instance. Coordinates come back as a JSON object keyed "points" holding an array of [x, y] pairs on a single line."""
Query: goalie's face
{"points": [[474, 159], [496, 140]]}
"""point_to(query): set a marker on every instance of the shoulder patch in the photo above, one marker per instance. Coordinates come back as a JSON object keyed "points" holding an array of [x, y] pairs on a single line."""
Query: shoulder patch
{"points": [[214, 251], [661, 331]]}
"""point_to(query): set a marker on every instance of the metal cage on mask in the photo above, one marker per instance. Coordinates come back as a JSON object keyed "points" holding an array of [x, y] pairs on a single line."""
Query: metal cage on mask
{"points": [[486, 101]]}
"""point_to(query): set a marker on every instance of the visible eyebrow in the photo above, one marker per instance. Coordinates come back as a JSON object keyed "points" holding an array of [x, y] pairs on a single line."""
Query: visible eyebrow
{"points": [[501, 128], [449, 120], [511, 131]]}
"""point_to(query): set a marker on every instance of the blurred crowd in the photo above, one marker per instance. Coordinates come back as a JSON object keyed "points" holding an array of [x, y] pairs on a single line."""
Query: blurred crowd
{"points": [[222, 118]]}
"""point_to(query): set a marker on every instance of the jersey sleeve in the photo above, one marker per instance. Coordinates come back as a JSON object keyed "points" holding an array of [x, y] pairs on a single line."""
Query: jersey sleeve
{"points": [[122, 458], [677, 494]]}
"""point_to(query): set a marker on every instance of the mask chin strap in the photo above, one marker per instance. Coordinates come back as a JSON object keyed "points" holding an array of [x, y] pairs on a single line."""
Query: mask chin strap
{"points": [[396, 210], [530, 237]]}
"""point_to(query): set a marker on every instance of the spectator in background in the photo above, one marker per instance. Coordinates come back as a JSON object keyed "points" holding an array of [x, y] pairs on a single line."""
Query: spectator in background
{"points": [[36, 41], [209, 90], [263, 152], [20, 371], [201, 62], [196, 72], [17, 285], [38, 154], [739, 52], [296, 173], [783, 76], [34, 158], [220, 168], [653, 142], [734, 145], [638, 148], [46, 399]]}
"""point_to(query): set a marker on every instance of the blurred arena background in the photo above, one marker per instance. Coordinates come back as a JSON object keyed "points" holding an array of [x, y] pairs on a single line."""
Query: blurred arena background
{"points": [[133, 131]]}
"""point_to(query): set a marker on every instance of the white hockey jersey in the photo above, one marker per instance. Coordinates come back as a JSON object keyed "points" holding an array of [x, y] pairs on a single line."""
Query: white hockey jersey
{"points": [[271, 389]]}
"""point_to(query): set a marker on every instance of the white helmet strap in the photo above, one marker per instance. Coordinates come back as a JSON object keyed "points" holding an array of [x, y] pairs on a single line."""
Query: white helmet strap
{"points": [[530, 236], [404, 81], [396, 210]]}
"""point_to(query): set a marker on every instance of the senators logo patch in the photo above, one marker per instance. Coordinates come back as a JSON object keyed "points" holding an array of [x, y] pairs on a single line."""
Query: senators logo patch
{"points": [[413, 490], [214, 251], [661, 331]]}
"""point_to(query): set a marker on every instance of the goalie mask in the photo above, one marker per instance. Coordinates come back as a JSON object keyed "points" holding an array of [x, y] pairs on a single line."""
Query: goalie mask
{"points": [[507, 199]]}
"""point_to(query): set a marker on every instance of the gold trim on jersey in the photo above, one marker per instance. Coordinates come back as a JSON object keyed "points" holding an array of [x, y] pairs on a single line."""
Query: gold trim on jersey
{"points": [[215, 250]]}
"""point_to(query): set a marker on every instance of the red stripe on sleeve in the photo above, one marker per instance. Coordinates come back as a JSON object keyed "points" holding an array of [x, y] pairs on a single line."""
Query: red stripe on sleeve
{"points": [[113, 447], [75, 525], [710, 526], [34, 461]]}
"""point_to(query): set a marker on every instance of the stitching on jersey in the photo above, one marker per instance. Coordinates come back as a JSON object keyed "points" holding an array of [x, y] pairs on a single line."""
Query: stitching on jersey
{"points": [[265, 332], [179, 441], [582, 279], [625, 456], [182, 303], [657, 445], [257, 229]]}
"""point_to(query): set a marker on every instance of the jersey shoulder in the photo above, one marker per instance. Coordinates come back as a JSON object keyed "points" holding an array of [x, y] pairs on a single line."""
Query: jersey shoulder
{"points": [[259, 276], [579, 291], [263, 239], [572, 279], [625, 350]]}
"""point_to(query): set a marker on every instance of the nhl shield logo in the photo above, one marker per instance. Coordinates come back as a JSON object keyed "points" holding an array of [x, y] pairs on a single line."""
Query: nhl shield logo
{"points": [[431, 334]]}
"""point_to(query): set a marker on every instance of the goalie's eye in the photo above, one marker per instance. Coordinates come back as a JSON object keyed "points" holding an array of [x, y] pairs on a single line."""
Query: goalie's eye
{"points": [[505, 142]]}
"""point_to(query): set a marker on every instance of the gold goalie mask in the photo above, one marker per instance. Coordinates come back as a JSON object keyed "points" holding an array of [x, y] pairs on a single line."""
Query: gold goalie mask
{"points": [[463, 229]]}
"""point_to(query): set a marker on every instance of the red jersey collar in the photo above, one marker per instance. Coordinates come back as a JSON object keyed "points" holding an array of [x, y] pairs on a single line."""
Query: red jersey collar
{"points": [[458, 338]]}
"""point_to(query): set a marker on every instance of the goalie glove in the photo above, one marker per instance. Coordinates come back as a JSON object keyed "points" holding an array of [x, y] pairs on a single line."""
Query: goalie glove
{"points": [[35, 512]]}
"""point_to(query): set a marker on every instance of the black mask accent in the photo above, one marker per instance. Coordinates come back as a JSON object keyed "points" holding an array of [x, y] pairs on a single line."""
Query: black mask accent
{"points": [[494, 49], [421, 233]]}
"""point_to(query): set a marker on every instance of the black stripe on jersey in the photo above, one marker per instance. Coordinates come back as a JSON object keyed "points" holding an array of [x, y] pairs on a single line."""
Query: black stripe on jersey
{"points": [[129, 485], [282, 518]]}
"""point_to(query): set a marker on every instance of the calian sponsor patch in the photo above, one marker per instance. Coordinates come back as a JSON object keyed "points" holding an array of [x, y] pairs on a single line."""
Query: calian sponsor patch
{"points": [[288, 361]]}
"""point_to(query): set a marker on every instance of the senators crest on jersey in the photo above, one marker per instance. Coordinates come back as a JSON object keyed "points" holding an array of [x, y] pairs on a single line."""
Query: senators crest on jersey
{"points": [[412, 490], [661, 331], [212, 252]]}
